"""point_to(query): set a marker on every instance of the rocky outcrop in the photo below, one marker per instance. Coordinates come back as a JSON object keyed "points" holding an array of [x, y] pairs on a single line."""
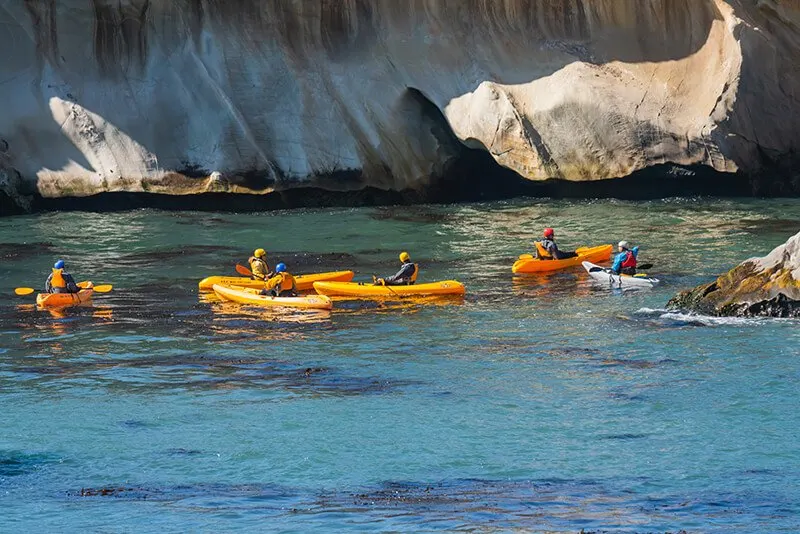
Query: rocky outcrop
{"points": [[207, 96], [768, 286]]}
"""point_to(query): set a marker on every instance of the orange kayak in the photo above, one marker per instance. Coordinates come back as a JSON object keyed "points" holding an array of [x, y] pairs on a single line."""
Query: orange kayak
{"points": [[304, 282], [529, 264], [252, 296], [62, 300], [368, 290]]}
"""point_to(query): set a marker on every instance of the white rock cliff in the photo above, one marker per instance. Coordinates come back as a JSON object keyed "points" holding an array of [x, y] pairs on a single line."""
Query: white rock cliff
{"points": [[156, 95]]}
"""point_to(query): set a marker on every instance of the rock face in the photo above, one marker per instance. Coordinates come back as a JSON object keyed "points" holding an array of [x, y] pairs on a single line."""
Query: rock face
{"points": [[768, 286], [191, 96]]}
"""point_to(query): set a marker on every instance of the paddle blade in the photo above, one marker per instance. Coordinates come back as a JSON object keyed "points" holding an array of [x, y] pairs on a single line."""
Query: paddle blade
{"points": [[104, 288], [645, 266], [244, 271], [596, 269], [526, 256], [24, 290]]}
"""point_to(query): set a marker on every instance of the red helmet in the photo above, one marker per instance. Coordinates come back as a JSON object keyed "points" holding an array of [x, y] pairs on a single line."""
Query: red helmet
{"points": [[548, 232]]}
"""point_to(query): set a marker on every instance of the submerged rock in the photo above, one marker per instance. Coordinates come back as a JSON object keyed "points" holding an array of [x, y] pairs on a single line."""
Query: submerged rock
{"points": [[196, 97], [766, 287]]}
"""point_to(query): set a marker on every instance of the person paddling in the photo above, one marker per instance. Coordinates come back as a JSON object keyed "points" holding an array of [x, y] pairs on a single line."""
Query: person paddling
{"points": [[625, 261], [60, 281], [259, 266], [282, 284], [546, 248], [406, 276]]}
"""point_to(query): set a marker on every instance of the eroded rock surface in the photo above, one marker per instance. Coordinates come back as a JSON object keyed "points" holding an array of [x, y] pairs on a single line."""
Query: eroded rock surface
{"points": [[191, 96], [768, 286]]}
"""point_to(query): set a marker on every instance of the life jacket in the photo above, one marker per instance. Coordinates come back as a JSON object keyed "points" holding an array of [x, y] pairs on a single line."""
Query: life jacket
{"points": [[629, 261], [541, 252], [286, 282], [259, 267], [57, 279], [413, 277]]}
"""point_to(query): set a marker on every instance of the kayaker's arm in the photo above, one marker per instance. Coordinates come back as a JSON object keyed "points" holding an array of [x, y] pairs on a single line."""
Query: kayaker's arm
{"points": [[72, 287], [616, 267], [48, 287], [272, 282]]}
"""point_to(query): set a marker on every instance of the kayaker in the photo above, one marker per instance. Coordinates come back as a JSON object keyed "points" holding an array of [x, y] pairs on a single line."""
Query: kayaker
{"points": [[60, 281], [406, 276], [546, 248], [625, 261], [259, 266], [282, 284]]}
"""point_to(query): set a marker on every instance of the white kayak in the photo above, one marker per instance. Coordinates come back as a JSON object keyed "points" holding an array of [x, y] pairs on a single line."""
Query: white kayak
{"points": [[620, 281]]}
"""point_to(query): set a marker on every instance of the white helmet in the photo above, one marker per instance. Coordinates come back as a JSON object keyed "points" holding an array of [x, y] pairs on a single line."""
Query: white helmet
{"points": [[624, 244]]}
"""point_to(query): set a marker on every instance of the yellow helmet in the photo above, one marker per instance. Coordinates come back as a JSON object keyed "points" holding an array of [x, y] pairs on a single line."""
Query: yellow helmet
{"points": [[259, 252], [404, 256]]}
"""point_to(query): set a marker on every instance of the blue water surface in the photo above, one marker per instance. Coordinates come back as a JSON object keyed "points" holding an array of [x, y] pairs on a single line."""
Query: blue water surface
{"points": [[541, 403]]}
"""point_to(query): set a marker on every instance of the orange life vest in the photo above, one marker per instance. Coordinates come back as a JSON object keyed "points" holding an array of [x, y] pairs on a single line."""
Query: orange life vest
{"points": [[542, 252], [284, 281], [57, 279], [414, 274], [259, 268]]}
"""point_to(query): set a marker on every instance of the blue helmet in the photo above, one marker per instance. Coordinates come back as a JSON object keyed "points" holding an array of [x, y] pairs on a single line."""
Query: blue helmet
{"points": [[281, 267], [59, 264]]}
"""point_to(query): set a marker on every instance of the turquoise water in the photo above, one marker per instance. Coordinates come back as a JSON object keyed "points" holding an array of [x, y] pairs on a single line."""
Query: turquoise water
{"points": [[538, 403]]}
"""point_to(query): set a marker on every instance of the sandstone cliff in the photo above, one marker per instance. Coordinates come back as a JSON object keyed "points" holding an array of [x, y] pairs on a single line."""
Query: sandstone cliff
{"points": [[189, 96]]}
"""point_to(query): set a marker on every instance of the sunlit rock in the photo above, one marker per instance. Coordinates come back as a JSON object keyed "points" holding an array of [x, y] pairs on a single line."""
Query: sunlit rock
{"points": [[768, 286]]}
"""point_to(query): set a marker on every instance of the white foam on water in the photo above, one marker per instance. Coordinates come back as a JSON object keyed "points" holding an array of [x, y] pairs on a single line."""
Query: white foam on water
{"points": [[649, 311], [708, 320]]}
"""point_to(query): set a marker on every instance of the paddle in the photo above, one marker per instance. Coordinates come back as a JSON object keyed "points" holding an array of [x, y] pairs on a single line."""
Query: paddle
{"points": [[384, 284], [103, 288], [244, 271]]}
